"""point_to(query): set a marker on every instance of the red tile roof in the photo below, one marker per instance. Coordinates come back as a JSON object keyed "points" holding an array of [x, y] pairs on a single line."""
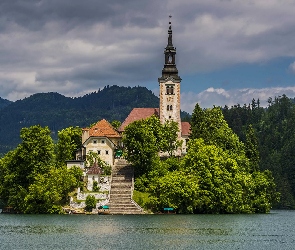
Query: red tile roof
{"points": [[138, 114], [103, 128], [95, 169], [185, 128]]}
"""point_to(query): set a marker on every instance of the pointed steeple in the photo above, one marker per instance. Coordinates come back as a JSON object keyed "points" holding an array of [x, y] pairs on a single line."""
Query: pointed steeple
{"points": [[170, 69]]}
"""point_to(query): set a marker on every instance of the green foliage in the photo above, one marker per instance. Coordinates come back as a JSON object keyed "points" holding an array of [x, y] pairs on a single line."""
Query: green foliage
{"points": [[210, 125], [116, 124], [93, 157], [169, 136], [274, 131], [142, 199], [141, 143], [69, 140], [30, 181], [144, 139], [90, 203], [252, 151], [175, 189], [95, 187], [217, 175]]}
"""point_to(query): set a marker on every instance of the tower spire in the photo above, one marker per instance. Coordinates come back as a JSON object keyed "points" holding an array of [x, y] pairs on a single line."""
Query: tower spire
{"points": [[169, 84], [170, 33], [170, 69]]}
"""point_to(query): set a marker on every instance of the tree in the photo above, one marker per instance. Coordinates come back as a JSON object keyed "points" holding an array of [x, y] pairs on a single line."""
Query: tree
{"points": [[144, 139], [69, 140], [170, 142], [222, 182], [116, 124], [31, 182], [142, 142], [210, 125], [251, 146], [21, 166], [176, 189], [90, 202]]}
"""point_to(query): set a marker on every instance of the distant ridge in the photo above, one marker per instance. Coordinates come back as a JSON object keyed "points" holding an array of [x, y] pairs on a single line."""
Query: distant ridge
{"points": [[4, 103], [57, 111]]}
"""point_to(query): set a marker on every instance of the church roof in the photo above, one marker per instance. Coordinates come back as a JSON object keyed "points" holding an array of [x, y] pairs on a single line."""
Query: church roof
{"points": [[138, 114], [95, 169], [185, 128], [103, 128]]}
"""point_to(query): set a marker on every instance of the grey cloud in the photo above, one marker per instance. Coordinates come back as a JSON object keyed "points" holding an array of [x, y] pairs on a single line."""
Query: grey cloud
{"points": [[221, 97], [59, 44]]}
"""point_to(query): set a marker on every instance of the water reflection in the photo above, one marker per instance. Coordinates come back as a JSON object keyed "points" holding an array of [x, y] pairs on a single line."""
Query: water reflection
{"points": [[273, 231]]}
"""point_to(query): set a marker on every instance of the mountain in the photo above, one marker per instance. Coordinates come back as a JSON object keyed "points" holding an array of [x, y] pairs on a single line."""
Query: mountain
{"points": [[57, 111], [4, 103]]}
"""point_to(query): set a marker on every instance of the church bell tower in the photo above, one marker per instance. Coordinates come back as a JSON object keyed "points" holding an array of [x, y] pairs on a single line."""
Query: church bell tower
{"points": [[169, 84]]}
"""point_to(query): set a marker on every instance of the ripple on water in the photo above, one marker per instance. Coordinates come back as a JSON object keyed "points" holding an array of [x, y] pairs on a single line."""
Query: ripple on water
{"points": [[273, 231]]}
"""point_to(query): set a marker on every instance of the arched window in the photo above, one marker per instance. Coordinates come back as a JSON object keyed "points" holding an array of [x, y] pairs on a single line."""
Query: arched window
{"points": [[169, 90], [167, 107], [171, 107]]}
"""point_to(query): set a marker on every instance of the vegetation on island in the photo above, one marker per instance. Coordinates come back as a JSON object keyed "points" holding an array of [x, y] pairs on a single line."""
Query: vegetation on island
{"points": [[275, 132], [230, 155], [34, 177], [219, 173]]}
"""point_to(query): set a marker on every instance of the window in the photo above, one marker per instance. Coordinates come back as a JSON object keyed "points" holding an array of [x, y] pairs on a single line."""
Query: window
{"points": [[98, 152], [170, 107], [169, 90], [167, 107], [107, 152], [169, 116], [94, 141], [102, 141]]}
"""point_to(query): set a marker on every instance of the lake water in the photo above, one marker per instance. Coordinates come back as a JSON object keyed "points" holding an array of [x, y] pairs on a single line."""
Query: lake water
{"points": [[255, 231]]}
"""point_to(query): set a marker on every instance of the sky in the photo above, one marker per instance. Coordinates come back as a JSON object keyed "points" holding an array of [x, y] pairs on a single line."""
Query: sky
{"points": [[228, 51]]}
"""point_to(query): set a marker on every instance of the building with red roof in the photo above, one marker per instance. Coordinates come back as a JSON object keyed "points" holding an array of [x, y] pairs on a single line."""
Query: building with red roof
{"points": [[169, 108], [103, 139]]}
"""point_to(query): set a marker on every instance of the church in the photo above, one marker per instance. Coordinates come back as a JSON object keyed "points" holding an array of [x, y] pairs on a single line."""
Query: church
{"points": [[103, 139]]}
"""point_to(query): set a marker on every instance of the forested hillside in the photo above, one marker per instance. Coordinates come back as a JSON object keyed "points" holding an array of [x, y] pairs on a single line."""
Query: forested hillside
{"points": [[4, 103], [275, 132], [57, 111]]}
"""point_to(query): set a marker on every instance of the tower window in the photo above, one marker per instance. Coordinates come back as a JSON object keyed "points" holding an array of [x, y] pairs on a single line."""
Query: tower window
{"points": [[171, 107], [169, 90], [98, 152], [107, 152], [167, 107]]}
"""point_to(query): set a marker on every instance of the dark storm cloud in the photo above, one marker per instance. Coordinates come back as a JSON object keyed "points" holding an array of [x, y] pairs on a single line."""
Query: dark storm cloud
{"points": [[34, 14], [74, 46]]}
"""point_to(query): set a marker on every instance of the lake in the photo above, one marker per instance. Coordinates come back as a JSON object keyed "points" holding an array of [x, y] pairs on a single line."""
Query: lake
{"points": [[248, 231]]}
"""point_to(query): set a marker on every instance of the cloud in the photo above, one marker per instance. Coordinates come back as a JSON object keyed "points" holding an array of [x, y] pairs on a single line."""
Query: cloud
{"points": [[221, 97], [74, 46]]}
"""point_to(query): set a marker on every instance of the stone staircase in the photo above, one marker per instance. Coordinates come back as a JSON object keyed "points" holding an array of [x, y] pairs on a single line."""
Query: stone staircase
{"points": [[121, 190]]}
